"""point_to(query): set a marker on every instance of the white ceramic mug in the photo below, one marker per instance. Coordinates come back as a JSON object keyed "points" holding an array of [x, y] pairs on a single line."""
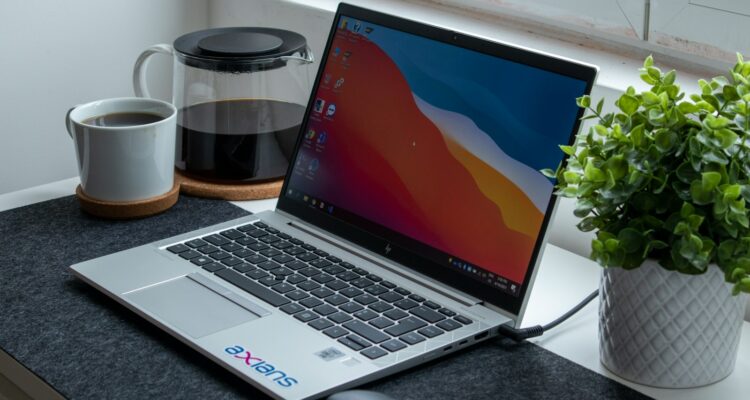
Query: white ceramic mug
{"points": [[124, 163]]}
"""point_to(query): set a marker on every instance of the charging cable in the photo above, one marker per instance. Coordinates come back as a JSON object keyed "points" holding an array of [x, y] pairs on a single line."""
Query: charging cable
{"points": [[522, 334]]}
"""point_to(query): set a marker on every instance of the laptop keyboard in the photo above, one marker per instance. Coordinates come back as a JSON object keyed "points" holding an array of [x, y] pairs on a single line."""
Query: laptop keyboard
{"points": [[359, 309]]}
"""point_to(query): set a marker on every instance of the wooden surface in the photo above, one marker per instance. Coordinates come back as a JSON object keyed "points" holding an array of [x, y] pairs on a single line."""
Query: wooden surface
{"points": [[130, 209], [228, 191]]}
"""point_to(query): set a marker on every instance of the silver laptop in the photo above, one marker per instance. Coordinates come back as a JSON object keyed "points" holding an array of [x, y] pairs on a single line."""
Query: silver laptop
{"points": [[409, 226]]}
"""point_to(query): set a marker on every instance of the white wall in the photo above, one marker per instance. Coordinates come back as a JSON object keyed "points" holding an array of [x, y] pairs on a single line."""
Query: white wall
{"points": [[55, 54]]}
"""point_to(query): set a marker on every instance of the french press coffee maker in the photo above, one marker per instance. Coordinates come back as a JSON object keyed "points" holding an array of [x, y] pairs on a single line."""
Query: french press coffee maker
{"points": [[240, 95]]}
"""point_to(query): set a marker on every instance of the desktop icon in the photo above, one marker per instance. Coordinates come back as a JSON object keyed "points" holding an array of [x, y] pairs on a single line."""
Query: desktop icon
{"points": [[314, 202], [327, 79], [344, 23], [357, 26], [306, 198], [314, 165], [310, 134], [368, 29], [322, 138], [319, 104], [322, 205], [339, 83], [331, 110], [330, 209], [336, 51], [347, 54]]}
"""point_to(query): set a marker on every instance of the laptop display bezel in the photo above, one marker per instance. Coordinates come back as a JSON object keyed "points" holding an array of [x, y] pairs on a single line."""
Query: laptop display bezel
{"points": [[398, 247]]}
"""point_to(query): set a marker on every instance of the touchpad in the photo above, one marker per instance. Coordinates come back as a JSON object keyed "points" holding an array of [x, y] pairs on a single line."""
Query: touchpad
{"points": [[190, 307]]}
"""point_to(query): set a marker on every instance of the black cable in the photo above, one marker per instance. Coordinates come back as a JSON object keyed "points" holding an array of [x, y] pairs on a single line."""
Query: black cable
{"points": [[538, 330]]}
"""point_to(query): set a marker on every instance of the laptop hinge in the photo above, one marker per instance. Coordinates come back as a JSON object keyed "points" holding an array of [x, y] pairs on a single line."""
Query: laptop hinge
{"points": [[402, 271]]}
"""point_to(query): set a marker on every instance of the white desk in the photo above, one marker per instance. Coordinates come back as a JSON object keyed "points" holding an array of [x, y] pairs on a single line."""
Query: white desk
{"points": [[563, 280]]}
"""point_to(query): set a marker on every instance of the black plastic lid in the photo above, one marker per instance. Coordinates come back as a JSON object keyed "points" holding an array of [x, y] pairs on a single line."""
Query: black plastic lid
{"points": [[238, 49]]}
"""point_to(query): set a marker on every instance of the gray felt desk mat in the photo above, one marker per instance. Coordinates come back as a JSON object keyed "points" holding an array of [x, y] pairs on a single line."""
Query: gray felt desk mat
{"points": [[87, 346]]}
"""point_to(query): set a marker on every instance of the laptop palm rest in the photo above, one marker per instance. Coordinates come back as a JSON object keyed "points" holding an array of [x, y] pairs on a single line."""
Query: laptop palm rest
{"points": [[192, 307]]}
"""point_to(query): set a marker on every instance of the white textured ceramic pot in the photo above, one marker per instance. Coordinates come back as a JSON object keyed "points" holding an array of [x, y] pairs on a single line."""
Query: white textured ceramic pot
{"points": [[666, 329]]}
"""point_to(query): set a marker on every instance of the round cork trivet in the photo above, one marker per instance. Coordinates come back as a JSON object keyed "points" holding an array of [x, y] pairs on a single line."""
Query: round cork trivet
{"points": [[128, 209], [236, 191]]}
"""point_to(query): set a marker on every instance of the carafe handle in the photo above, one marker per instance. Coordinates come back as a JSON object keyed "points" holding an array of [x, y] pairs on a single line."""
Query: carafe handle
{"points": [[139, 70]]}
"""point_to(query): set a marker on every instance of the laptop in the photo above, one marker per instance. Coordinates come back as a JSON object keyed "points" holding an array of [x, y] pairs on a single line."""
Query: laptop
{"points": [[409, 226]]}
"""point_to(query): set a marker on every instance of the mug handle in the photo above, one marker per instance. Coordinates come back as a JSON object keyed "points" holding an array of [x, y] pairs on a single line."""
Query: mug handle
{"points": [[68, 123], [139, 70]]}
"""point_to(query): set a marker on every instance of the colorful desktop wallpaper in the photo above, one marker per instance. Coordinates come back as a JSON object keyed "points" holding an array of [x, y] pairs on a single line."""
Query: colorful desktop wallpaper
{"points": [[438, 143]]}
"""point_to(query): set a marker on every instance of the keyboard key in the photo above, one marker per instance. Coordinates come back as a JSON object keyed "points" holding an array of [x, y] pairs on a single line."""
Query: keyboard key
{"points": [[295, 279], [283, 258], [257, 233], [256, 259], [333, 259], [347, 265], [395, 314], [243, 252], [283, 235], [190, 254], [380, 306], [402, 291], [269, 281], [195, 243], [270, 252], [321, 292], [362, 283], [323, 278], [381, 322], [391, 297], [366, 331], [337, 285], [336, 332], [393, 345], [213, 267], [178, 248], [350, 307], [321, 324], [448, 325], [292, 308], [294, 250], [231, 247], [405, 304], [311, 302], [309, 271], [376, 290], [256, 274], [431, 331], [295, 265], [362, 342], [374, 278], [373, 353], [365, 299], [261, 225], [282, 272], [267, 295], [431, 304], [334, 269], [406, 325], [220, 255], [296, 241], [281, 245], [268, 265], [307, 257], [325, 309], [447, 312], [463, 320], [309, 247], [350, 344], [427, 314], [306, 316], [201, 260], [268, 239], [283, 287], [340, 317], [216, 239], [246, 241], [257, 247], [417, 298], [308, 285], [272, 230], [412, 338], [350, 292], [336, 299], [297, 294], [245, 228], [231, 261], [321, 253], [243, 267], [347, 276], [365, 315], [320, 263], [208, 249], [360, 271], [389, 285]]}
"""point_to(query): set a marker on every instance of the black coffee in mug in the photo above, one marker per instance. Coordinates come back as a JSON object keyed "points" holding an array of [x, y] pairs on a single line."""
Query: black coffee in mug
{"points": [[122, 119], [237, 140]]}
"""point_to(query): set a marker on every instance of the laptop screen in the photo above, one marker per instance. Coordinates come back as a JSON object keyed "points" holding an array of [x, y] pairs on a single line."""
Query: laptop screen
{"points": [[436, 148]]}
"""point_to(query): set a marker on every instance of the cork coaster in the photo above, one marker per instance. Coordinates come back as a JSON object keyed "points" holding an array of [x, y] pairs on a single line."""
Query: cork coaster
{"points": [[228, 191], [128, 209]]}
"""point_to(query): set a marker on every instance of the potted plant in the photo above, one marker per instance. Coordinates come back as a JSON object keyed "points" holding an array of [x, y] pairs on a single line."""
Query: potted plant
{"points": [[665, 183]]}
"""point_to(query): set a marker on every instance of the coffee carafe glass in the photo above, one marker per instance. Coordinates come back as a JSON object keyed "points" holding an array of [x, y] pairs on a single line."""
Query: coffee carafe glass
{"points": [[241, 95]]}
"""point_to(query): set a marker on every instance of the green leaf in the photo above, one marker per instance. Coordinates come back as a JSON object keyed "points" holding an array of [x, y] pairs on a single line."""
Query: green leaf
{"points": [[583, 101], [569, 150], [630, 240], [571, 177], [648, 62], [599, 106], [687, 108], [710, 180], [628, 104], [726, 138], [650, 98], [730, 93], [669, 77], [593, 174], [548, 173]]}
